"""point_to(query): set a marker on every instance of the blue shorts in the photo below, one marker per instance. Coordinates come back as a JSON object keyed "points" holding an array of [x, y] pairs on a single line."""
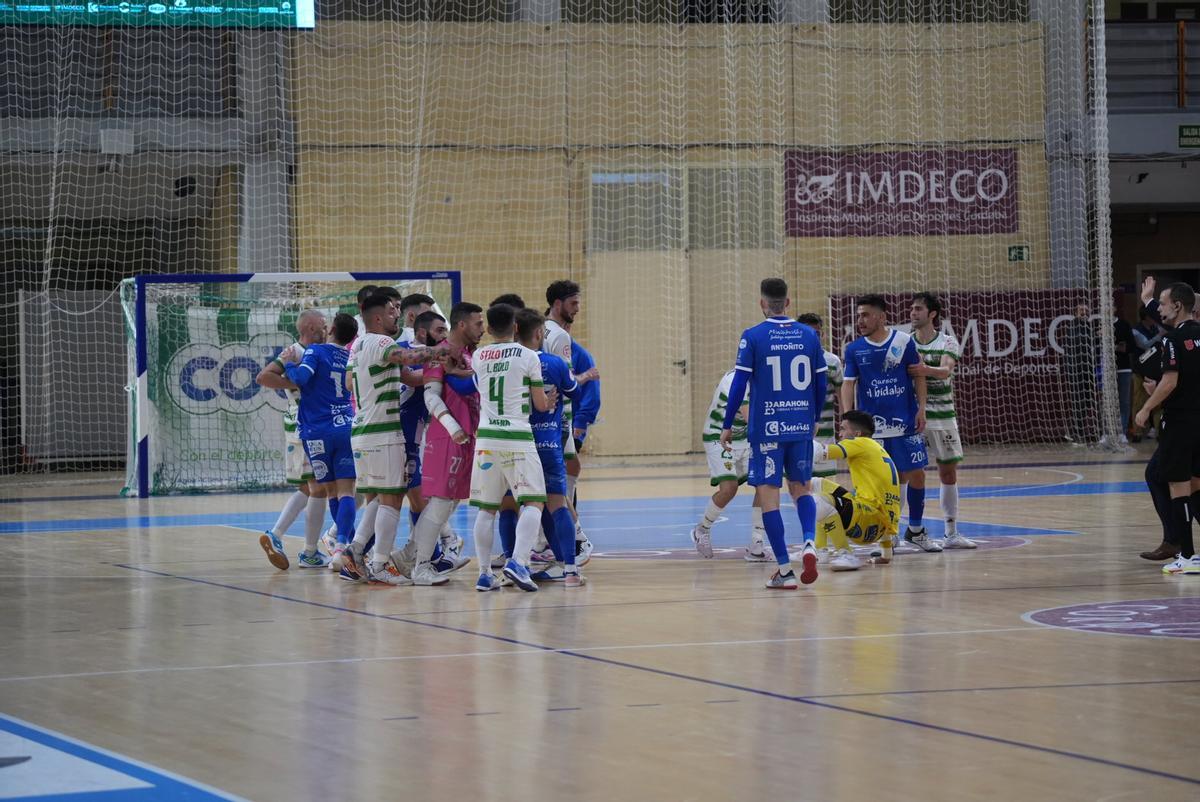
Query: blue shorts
{"points": [[554, 469], [907, 451], [412, 464], [331, 457], [769, 462]]}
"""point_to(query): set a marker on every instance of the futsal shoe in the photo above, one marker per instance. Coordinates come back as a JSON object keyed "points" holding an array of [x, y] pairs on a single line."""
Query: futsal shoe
{"points": [[314, 560], [335, 556], [583, 549], [957, 541], [780, 581], [273, 546], [921, 539], [499, 560], [702, 539], [1183, 565], [354, 563], [519, 575], [551, 573], [329, 539], [756, 552], [449, 562], [385, 573], [543, 557], [487, 582], [573, 579], [808, 559], [425, 574], [452, 542], [404, 559], [826, 555], [845, 561]]}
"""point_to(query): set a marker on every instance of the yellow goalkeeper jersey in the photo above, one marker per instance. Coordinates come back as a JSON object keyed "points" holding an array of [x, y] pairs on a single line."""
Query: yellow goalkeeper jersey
{"points": [[874, 475]]}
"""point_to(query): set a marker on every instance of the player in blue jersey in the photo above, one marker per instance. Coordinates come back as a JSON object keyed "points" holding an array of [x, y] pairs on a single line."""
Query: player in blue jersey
{"points": [[877, 381], [547, 435], [584, 410], [326, 417], [784, 365]]}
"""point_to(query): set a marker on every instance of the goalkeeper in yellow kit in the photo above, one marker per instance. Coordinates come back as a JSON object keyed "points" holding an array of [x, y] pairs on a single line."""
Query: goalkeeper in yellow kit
{"points": [[871, 512]]}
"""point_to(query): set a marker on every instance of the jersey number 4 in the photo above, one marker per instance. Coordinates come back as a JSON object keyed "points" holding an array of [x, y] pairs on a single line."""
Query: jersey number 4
{"points": [[799, 372], [496, 393]]}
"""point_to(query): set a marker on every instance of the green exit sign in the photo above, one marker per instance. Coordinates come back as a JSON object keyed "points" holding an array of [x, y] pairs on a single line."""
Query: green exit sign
{"points": [[1018, 253], [1189, 136]]}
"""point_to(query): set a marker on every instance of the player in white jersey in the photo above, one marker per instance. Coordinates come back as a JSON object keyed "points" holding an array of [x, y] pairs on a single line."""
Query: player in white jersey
{"points": [[728, 468], [310, 494], [509, 377], [563, 301], [381, 385], [940, 352]]}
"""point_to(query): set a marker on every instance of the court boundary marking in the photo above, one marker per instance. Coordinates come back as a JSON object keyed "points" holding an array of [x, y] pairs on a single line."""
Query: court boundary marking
{"points": [[702, 680]]}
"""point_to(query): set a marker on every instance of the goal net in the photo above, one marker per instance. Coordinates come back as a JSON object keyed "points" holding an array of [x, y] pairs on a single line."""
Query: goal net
{"points": [[665, 154], [198, 421]]}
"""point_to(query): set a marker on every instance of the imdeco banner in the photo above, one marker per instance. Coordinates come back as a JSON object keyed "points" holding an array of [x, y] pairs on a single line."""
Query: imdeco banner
{"points": [[903, 193]]}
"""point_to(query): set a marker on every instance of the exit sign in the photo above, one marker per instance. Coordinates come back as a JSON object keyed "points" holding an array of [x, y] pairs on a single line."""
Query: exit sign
{"points": [[1189, 136], [1018, 253]]}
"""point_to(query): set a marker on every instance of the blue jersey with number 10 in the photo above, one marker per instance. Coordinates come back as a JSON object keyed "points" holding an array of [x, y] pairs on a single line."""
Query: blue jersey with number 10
{"points": [[324, 400], [782, 358]]}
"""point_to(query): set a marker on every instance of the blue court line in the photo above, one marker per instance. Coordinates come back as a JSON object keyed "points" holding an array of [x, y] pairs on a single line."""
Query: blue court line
{"points": [[165, 786], [964, 466], [613, 514], [812, 702]]}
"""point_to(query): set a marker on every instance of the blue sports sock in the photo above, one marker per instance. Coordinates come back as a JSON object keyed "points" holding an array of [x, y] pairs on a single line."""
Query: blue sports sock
{"points": [[508, 532], [806, 508], [564, 528], [333, 510], [413, 515], [916, 506], [437, 552], [345, 518], [551, 531], [773, 523]]}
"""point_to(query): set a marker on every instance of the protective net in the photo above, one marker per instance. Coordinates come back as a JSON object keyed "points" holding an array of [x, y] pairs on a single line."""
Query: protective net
{"points": [[665, 155], [198, 421]]}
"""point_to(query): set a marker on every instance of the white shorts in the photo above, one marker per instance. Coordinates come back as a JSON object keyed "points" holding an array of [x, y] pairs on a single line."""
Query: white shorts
{"points": [[944, 445], [495, 472], [724, 465], [297, 469], [379, 466]]}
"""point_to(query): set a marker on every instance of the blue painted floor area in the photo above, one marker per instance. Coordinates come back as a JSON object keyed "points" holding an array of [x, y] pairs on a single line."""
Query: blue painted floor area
{"points": [[617, 524], [38, 764]]}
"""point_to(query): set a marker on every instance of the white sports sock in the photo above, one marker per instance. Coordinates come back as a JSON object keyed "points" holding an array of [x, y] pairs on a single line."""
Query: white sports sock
{"points": [[711, 513], [429, 525], [572, 481], [289, 513], [366, 526], [484, 533], [949, 504], [528, 524], [756, 523], [314, 516], [448, 535], [387, 522]]}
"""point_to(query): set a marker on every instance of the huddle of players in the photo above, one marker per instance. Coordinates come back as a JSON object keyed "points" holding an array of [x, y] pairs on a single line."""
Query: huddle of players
{"points": [[896, 399], [434, 412]]}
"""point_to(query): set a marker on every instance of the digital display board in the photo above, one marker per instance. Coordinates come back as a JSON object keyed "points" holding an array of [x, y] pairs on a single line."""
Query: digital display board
{"points": [[165, 13]]}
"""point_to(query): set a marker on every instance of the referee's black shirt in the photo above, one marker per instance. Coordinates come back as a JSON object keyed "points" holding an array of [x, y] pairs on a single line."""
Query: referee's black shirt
{"points": [[1181, 353]]}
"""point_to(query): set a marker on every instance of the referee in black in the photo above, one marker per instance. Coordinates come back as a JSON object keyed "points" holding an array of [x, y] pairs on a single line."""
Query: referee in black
{"points": [[1178, 393]]}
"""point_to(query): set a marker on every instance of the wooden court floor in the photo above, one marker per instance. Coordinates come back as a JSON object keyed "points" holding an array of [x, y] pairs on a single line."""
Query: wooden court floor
{"points": [[161, 634]]}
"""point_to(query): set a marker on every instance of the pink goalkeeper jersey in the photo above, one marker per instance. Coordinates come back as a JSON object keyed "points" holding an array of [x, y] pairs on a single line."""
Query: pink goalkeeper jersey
{"points": [[465, 409]]}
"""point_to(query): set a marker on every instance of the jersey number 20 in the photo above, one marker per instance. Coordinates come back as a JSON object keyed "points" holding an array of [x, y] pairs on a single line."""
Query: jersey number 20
{"points": [[799, 371]]}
